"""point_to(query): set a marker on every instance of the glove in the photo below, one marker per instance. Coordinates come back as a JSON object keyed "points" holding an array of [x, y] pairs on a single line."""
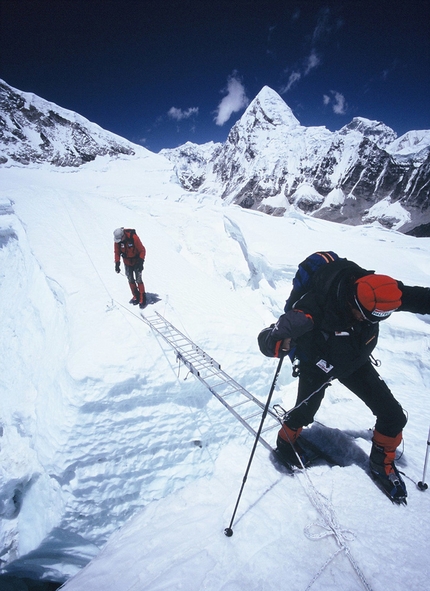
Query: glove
{"points": [[117, 267], [279, 338], [139, 265], [272, 347]]}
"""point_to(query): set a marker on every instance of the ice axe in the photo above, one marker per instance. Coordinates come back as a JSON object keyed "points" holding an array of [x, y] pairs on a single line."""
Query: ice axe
{"points": [[422, 483]]}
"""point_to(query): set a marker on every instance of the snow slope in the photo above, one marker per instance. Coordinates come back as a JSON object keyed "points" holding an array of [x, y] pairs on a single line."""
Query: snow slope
{"points": [[110, 451]]}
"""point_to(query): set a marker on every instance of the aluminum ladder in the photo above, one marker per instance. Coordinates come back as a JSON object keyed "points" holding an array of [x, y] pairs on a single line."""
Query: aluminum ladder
{"points": [[242, 404]]}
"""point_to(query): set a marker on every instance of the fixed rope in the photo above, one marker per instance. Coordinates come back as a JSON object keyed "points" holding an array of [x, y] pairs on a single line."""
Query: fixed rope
{"points": [[330, 526]]}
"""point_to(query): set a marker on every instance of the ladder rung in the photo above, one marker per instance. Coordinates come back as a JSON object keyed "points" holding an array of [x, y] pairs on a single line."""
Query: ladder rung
{"points": [[218, 384], [240, 403], [208, 371], [256, 414], [270, 427]]}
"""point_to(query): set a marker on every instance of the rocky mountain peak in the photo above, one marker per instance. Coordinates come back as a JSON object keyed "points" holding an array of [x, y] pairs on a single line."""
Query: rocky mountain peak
{"points": [[33, 130], [413, 144], [375, 131], [359, 174], [268, 109]]}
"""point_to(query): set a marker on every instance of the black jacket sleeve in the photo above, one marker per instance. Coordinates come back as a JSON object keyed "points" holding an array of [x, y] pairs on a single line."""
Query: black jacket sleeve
{"points": [[414, 299], [291, 325]]}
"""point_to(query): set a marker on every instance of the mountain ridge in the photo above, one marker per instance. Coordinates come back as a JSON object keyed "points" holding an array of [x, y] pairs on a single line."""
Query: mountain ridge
{"points": [[360, 174], [33, 130]]}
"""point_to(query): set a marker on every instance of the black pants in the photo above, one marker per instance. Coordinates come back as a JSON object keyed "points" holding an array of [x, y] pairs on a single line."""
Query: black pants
{"points": [[364, 382]]}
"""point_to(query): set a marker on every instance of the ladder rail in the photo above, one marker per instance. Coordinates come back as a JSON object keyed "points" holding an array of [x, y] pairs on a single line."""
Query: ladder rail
{"points": [[205, 368]]}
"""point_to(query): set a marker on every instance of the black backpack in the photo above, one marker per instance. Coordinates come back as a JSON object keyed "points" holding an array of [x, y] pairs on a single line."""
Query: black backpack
{"points": [[302, 281]]}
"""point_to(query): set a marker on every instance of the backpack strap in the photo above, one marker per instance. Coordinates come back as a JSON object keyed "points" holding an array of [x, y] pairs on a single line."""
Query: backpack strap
{"points": [[130, 233]]}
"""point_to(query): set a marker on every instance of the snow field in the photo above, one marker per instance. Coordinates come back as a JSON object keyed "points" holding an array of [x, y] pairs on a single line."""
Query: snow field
{"points": [[110, 450]]}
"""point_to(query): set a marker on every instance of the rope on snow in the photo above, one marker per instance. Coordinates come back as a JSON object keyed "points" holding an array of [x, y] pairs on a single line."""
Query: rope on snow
{"points": [[330, 527], [329, 524]]}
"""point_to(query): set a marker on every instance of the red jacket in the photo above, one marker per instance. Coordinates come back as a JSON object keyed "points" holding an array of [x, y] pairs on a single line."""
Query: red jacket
{"points": [[130, 248]]}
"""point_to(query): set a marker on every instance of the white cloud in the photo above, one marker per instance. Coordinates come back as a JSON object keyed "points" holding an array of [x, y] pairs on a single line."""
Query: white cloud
{"points": [[179, 114], [324, 27], [339, 106], [234, 101], [293, 79], [337, 102], [313, 61]]}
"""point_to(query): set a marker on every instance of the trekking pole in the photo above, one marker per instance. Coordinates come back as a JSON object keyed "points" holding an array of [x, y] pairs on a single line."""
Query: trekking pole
{"points": [[228, 530], [422, 484]]}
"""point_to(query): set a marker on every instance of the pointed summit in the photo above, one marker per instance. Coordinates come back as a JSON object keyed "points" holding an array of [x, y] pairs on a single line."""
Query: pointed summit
{"points": [[269, 108]]}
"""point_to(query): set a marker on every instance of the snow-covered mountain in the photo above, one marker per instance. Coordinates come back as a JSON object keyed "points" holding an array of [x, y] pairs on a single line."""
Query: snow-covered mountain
{"points": [[32, 130], [269, 162]]}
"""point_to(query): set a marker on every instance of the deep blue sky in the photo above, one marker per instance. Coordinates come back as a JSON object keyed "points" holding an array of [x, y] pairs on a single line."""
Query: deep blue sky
{"points": [[157, 71]]}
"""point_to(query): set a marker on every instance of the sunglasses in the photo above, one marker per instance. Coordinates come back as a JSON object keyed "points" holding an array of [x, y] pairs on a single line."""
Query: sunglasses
{"points": [[368, 315]]}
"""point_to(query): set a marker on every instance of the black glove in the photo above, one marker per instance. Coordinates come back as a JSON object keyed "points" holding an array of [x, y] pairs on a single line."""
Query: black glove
{"points": [[117, 267], [278, 339], [270, 346], [139, 265]]}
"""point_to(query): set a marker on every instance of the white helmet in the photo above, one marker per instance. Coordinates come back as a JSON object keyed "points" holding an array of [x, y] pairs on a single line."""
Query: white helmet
{"points": [[118, 234]]}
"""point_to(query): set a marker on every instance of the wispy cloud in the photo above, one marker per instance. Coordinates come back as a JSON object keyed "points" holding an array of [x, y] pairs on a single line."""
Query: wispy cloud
{"points": [[389, 70], [179, 114], [293, 78], [234, 101], [325, 25], [313, 61], [336, 101]]}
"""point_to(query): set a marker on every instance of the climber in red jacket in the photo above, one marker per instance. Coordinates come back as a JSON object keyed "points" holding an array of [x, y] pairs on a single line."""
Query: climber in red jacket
{"points": [[128, 245]]}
